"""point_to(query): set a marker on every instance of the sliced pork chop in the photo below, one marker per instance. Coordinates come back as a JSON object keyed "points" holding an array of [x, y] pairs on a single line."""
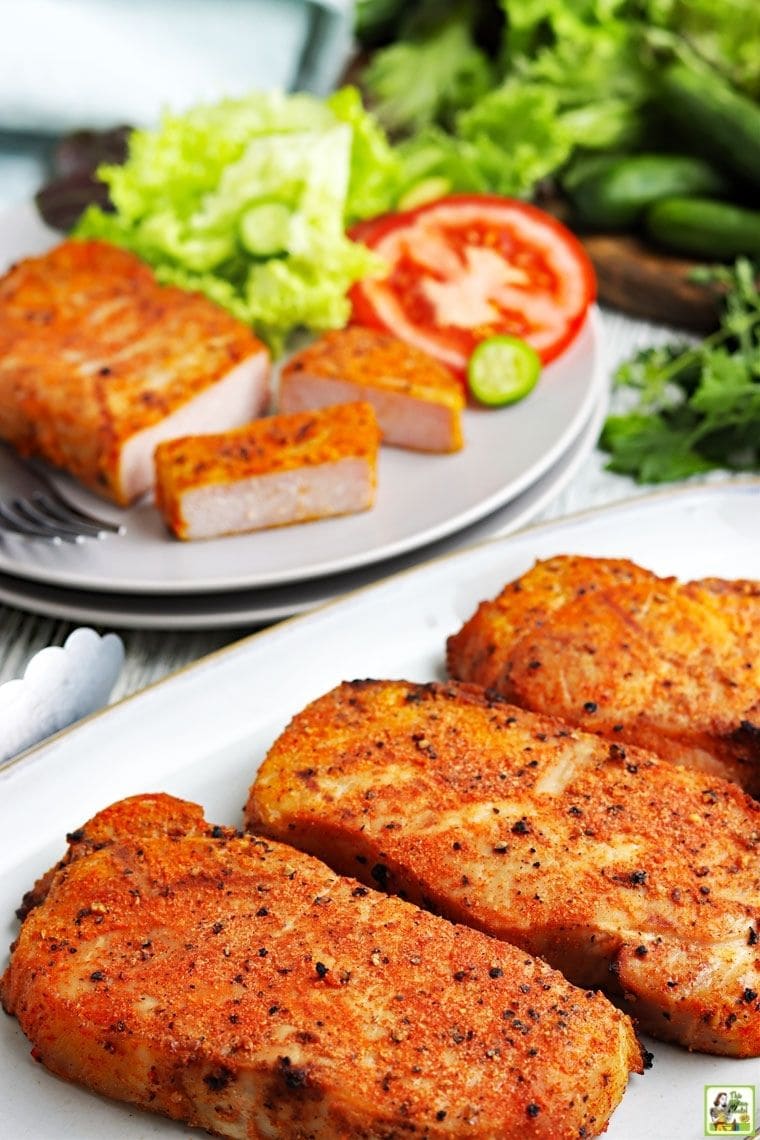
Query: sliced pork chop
{"points": [[279, 470], [618, 868], [99, 363], [241, 986], [609, 646], [418, 402]]}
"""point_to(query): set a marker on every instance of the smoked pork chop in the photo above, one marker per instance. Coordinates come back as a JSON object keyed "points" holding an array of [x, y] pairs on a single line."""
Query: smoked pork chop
{"points": [[99, 363], [417, 401], [281, 469], [241, 986], [612, 648], [618, 868]]}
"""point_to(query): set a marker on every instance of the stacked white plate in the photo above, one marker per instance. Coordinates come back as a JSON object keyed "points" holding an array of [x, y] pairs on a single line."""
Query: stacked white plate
{"points": [[515, 460]]}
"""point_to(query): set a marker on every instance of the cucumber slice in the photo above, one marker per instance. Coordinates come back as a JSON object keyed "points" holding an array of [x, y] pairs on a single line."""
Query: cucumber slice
{"points": [[265, 229], [503, 370]]}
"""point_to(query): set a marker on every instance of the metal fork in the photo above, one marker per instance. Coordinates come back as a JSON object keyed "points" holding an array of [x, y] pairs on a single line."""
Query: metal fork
{"points": [[31, 505]]}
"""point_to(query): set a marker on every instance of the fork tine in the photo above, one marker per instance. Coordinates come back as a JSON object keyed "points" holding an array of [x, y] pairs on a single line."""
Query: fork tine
{"points": [[35, 513], [9, 522], [70, 512], [52, 513], [40, 509]]}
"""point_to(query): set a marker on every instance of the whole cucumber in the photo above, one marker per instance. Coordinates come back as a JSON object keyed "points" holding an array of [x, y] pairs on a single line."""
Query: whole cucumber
{"points": [[720, 122], [614, 196], [704, 228]]}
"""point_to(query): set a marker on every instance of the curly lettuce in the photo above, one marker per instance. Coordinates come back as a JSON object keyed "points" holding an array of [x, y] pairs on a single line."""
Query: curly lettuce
{"points": [[449, 72], [564, 76], [726, 34], [248, 202]]}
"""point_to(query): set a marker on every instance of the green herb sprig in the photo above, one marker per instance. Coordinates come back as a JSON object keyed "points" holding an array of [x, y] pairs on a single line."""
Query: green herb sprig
{"points": [[698, 406]]}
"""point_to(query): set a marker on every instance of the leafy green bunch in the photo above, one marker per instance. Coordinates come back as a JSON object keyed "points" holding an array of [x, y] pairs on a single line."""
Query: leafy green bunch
{"points": [[248, 201], [697, 406], [498, 95]]}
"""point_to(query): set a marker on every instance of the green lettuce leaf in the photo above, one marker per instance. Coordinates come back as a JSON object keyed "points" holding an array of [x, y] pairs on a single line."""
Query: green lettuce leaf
{"points": [[517, 135], [726, 33], [248, 202], [375, 167], [418, 82], [436, 158], [569, 78], [531, 25], [596, 73]]}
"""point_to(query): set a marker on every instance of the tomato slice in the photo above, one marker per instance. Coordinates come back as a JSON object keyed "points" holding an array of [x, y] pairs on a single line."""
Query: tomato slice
{"points": [[473, 266]]}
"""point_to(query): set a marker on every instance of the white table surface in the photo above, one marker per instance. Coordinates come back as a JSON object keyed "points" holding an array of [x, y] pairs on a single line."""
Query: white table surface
{"points": [[151, 655]]}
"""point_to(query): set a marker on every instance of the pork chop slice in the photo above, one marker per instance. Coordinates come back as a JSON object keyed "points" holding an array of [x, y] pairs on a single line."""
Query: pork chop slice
{"points": [[417, 401], [279, 470], [612, 648], [619, 869], [241, 986], [99, 363]]}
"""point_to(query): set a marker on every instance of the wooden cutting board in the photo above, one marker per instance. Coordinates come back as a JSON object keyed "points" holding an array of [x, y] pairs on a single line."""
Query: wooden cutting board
{"points": [[643, 282]]}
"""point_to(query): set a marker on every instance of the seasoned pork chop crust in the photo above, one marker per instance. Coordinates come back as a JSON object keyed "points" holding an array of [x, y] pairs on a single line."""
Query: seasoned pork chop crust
{"points": [[98, 363], [418, 402], [612, 648], [241, 986], [278, 470], [618, 868]]}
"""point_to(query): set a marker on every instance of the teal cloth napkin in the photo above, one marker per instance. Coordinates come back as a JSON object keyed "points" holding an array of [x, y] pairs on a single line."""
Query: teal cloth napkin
{"points": [[98, 63]]}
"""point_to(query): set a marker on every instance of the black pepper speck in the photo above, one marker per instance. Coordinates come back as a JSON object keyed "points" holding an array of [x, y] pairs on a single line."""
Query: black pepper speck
{"points": [[380, 874]]}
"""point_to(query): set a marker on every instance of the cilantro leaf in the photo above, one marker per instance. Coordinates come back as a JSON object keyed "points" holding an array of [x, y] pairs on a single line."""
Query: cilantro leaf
{"points": [[727, 390], [698, 406], [650, 449]]}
